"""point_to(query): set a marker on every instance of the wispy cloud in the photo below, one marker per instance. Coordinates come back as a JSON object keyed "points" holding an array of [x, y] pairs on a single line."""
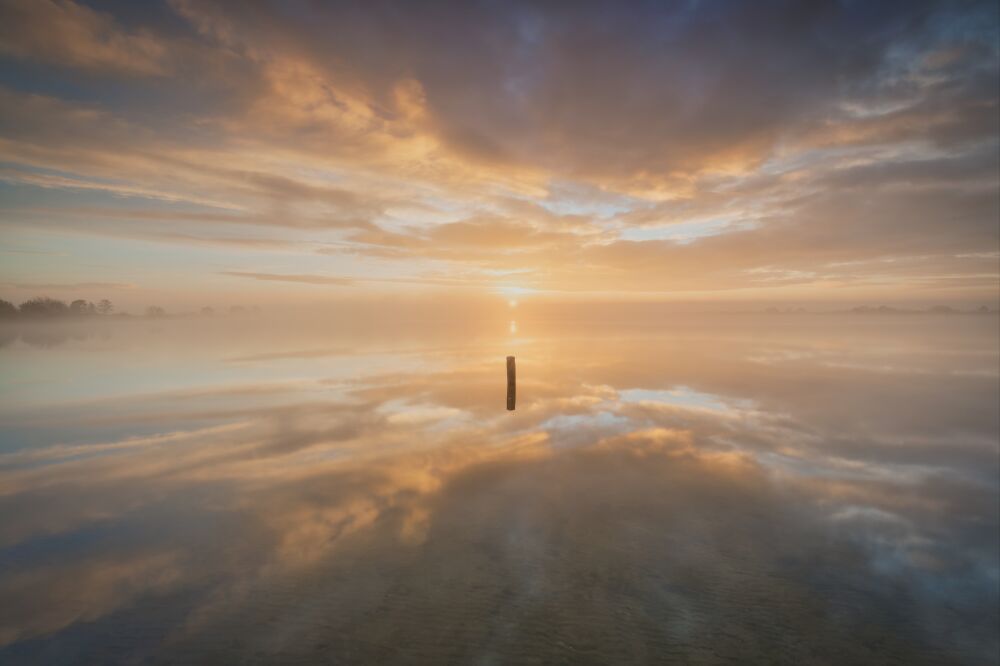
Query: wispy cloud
{"points": [[72, 286], [303, 279], [806, 143]]}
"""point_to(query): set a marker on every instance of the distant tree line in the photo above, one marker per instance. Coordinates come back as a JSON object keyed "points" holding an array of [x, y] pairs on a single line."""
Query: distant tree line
{"points": [[44, 307]]}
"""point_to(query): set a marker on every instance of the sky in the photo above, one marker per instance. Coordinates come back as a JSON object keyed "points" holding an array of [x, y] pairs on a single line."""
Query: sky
{"points": [[201, 153]]}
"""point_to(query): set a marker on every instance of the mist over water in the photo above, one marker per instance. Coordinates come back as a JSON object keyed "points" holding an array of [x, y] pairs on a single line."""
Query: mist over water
{"points": [[701, 488]]}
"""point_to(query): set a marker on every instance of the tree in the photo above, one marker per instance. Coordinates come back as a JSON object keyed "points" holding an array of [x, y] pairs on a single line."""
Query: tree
{"points": [[7, 309], [207, 311], [105, 307], [155, 312], [43, 306], [78, 307]]}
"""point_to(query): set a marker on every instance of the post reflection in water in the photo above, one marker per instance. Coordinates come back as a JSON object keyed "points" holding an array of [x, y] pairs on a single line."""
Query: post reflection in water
{"points": [[823, 490]]}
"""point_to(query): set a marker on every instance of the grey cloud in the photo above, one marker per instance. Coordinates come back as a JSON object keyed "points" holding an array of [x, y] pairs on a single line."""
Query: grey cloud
{"points": [[690, 85], [68, 33]]}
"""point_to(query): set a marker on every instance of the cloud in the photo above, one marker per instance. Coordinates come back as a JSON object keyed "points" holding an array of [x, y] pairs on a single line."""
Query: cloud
{"points": [[451, 280], [74, 285], [69, 34], [607, 92], [303, 279], [686, 148]]}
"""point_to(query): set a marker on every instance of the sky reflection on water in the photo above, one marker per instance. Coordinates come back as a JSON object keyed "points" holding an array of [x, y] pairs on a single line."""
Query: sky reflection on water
{"points": [[811, 489]]}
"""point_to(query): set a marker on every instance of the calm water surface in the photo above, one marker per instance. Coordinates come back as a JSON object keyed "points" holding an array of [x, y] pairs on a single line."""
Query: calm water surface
{"points": [[726, 489]]}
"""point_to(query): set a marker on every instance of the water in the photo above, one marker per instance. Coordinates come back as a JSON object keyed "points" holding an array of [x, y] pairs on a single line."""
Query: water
{"points": [[705, 489]]}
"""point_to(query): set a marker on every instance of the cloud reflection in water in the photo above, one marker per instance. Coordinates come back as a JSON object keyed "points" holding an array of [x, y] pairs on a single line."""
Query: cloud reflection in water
{"points": [[702, 492]]}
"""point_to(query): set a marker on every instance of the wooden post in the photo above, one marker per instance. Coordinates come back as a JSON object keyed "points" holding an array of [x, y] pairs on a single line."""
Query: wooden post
{"points": [[511, 384]]}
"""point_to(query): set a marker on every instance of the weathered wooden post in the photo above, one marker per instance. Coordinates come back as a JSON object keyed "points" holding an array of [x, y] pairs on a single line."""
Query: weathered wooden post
{"points": [[511, 383]]}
